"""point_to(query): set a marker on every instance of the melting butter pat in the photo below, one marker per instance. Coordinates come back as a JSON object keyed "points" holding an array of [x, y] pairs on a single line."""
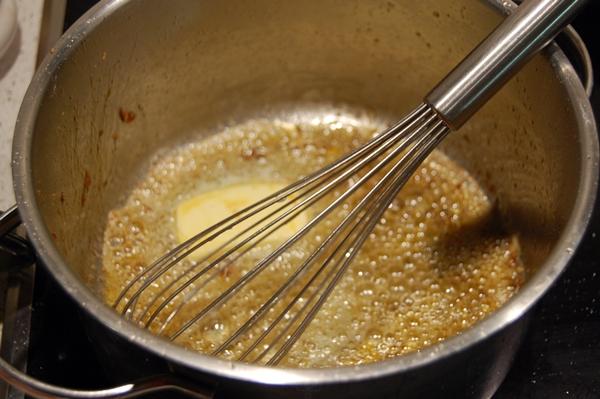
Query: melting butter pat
{"points": [[209, 208]]}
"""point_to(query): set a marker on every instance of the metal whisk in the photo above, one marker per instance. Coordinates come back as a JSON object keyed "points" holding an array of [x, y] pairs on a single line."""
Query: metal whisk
{"points": [[384, 164]]}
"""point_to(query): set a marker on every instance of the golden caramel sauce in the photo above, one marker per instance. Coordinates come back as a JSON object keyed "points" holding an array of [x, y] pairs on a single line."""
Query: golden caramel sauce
{"points": [[437, 262]]}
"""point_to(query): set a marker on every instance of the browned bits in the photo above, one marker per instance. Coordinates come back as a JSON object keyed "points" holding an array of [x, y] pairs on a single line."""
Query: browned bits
{"points": [[249, 154], [126, 116], [436, 264]]}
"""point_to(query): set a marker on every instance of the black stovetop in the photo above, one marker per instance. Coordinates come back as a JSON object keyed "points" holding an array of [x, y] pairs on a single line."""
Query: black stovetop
{"points": [[559, 358]]}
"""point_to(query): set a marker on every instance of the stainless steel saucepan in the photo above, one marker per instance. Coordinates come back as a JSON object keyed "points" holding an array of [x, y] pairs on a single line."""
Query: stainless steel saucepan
{"points": [[183, 67]]}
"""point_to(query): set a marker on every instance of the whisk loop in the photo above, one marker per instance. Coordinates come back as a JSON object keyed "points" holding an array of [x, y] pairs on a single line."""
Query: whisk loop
{"points": [[396, 153]]}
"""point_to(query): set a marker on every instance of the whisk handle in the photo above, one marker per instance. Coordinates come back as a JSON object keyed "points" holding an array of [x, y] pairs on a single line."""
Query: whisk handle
{"points": [[498, 57]]}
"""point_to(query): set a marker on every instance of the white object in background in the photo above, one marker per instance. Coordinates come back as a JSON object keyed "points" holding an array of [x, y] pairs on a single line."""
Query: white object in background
{"points": [[8, 24], [16, 69]]}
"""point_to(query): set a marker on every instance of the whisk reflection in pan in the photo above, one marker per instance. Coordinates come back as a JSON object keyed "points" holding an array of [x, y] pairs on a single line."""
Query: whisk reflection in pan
{"points": [[387, 162]]}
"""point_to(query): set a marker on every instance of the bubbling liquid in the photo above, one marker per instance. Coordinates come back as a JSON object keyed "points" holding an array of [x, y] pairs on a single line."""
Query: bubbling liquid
{"points": [[437, 262]]}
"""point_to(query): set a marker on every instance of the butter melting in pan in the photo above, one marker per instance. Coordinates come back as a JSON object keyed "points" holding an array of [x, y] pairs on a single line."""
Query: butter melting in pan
{"points": [[436, 264]]}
